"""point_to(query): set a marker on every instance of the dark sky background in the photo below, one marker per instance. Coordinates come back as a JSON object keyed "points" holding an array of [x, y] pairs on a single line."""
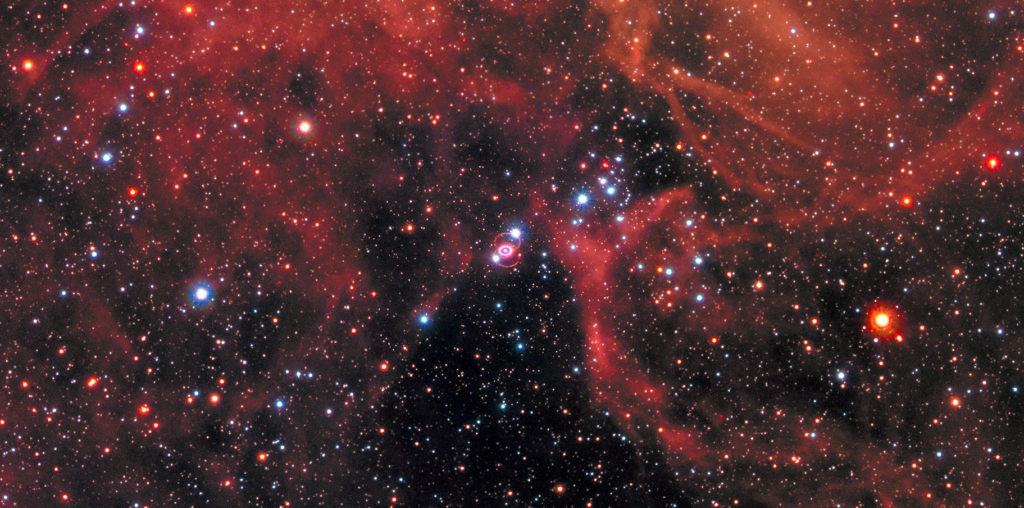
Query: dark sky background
{"points": [[618, 253]]}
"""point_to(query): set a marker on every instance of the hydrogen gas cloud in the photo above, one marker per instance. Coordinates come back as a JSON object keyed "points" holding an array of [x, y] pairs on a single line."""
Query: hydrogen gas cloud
{"points": [[604, 254]]}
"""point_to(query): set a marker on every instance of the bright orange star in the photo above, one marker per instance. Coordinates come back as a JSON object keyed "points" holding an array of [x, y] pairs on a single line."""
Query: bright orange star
{"points": [[993, 162], [882, 320], [885, 323]]}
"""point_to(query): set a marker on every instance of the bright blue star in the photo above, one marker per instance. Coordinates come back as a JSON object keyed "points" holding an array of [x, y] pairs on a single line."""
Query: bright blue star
{"points": [[516, 232], [582, 199], [424, 319], [201, 295]]}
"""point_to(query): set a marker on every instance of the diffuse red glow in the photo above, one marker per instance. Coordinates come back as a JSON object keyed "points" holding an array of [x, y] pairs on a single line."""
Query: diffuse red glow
{"points": [[754, 164]]}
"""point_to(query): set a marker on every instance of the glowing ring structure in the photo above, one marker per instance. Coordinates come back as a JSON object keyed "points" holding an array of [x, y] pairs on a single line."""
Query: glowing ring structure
{"points": [[507, 253]]}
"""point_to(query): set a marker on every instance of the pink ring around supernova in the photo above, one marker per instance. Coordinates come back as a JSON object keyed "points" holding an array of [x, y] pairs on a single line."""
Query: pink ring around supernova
{"points": [[507, 253]]}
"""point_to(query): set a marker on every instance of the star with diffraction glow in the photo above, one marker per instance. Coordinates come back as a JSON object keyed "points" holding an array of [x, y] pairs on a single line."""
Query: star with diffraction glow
{"points": [[881, 320]]}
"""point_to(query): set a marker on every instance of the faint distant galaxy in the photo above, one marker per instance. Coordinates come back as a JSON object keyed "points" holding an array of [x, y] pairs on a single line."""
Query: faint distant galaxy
{"points": [[592, 254]]}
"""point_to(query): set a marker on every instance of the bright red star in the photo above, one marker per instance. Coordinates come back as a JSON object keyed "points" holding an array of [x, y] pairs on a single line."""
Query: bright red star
{"points": [[993, 163], [882, 320], [884, 323]]}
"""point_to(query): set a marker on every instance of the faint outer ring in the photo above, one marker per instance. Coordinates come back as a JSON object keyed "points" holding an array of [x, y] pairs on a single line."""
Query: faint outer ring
{"points": [[507, 238], [508, 254]]}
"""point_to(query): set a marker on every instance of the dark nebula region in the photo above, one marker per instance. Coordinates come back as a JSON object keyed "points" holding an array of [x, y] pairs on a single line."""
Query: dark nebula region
{"points": [[618, 253]]}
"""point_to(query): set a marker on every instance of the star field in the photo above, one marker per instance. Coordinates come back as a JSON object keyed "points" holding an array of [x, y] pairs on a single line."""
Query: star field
{"points": [[488, 253]]}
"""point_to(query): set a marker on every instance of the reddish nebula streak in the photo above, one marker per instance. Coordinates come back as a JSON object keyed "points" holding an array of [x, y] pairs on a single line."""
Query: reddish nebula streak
{"points": [[804, 140], [620, 382], [624, 383]]}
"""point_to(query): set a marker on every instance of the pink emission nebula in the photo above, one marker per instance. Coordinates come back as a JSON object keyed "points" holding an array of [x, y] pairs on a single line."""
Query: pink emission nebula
{"points": [[572, 253]]}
